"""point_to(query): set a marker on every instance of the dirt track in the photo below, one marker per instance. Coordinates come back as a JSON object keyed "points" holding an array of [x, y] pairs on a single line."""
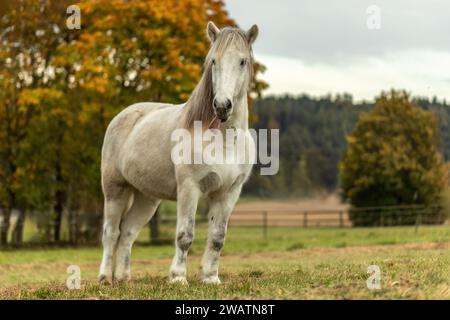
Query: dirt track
{"points": [[321, 211]]}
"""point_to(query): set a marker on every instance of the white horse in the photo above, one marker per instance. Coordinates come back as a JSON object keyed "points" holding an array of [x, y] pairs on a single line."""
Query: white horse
{"points": [[137, 169]]}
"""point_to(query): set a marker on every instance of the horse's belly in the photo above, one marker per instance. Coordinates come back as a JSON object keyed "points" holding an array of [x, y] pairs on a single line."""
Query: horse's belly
{"points": [[151, 177]]}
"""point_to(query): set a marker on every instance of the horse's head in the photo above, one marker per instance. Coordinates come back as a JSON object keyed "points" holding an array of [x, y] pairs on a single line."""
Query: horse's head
{"points": [[230, 60]]}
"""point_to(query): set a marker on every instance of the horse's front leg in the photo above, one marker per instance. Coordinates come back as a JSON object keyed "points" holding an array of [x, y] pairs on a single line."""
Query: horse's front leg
{"points": [[187, 199], [220, 209]]}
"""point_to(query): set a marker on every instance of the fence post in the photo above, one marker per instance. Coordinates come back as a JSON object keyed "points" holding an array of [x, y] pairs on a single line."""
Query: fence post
{"points": [[441, 218], [154, 227], [341, 219], [305, 219], [418, 220], [265, 225]]}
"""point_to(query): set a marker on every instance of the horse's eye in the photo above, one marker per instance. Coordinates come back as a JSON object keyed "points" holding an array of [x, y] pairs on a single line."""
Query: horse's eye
{"points": [[242, 62], [213, 61]]}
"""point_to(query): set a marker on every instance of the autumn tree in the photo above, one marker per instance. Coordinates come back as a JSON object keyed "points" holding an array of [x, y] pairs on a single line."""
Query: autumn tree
{"points": [[160, 58], [392, 156], [30, 35], [61, 87]]}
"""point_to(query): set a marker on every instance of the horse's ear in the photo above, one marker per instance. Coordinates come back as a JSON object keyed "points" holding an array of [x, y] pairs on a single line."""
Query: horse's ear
{"points": [[212, 31], [251, 34]]}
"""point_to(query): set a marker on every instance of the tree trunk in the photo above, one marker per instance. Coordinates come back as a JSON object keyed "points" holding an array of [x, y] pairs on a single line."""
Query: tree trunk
{"points": [[6, 222], [5, 227], [154, 227], [100, 219], [71, 221], [58, 208], [58, 217], [17, 235]]}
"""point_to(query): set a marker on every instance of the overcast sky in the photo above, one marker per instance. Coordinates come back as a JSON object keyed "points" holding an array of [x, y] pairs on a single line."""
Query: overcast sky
{"points": [[325, 46]]}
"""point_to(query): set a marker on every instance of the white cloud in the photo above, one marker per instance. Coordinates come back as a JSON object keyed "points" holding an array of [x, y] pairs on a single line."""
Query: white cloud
{"points": [[322, 46], [422, 72]]}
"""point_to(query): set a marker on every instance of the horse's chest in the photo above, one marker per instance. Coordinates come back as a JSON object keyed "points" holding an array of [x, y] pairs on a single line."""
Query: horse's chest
{"points": [[229, 174], [222, 178], [222, 166]]}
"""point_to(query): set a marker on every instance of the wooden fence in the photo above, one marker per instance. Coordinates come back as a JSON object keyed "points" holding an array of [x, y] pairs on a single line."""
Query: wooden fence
{"points": [[413, 215], [370, 216]]}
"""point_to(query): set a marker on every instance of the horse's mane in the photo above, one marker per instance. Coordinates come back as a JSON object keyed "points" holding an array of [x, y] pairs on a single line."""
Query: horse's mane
{"points": [[199, 106]]}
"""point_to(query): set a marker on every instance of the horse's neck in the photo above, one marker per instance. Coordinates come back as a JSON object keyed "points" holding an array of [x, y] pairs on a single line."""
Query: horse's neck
{"points": [[239, 117]]}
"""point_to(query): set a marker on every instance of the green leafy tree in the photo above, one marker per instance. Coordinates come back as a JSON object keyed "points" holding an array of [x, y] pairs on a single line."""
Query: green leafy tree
{"points": [[392, 156], [300, 179]]}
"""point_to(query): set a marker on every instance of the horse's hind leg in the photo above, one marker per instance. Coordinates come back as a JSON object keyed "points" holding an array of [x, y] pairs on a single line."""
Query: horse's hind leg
{"points": [[117, 197], [141, 211]]}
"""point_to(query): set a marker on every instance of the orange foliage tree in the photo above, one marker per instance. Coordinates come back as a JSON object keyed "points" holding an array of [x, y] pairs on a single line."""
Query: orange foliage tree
{"points": [[61, 87]]}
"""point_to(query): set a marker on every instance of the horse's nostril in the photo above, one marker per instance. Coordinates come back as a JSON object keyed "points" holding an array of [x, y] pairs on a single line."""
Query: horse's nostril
{"points": [[228, 104], [225, 105]]}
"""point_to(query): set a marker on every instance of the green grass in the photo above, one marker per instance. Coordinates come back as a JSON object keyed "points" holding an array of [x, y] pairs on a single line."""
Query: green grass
{"points": [[291, 263]]}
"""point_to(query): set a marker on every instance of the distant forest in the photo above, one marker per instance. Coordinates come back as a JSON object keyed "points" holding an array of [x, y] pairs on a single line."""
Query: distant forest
{"points": [[313, 139]]}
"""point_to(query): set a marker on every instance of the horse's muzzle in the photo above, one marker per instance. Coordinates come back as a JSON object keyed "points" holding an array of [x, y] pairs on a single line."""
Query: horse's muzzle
{"points": [[222, 109], [222, 114]]}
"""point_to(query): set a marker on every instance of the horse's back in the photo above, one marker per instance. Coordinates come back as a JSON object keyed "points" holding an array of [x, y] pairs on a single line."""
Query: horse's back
{"points": [[120, 126], [134, 148]]}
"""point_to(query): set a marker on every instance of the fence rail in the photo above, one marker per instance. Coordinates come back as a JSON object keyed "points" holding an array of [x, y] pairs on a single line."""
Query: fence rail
{"points": [[303, 218], [413, 215], [364, 216]]}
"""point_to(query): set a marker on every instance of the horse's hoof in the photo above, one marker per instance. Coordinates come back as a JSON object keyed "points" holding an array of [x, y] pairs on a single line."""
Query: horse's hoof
{"points": [[122, 279], [103, 279], [179, 279], [211, 280]]}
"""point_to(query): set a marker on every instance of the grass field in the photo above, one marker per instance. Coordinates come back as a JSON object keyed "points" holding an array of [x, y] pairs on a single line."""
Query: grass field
{"points": [[293, 263]]}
